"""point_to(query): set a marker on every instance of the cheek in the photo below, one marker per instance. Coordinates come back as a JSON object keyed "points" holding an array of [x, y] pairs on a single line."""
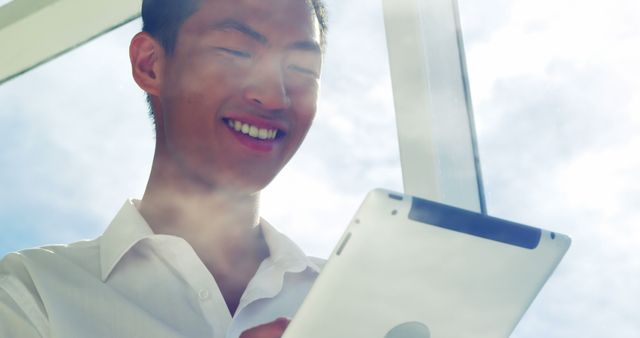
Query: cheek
{"points": [[199, 88], [310, 114], [305, 97], [304, 105], [304, 118]]}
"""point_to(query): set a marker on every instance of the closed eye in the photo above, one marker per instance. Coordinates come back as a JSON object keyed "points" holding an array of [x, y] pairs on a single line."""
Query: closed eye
{"points": [[234, 52], [305, 71]]}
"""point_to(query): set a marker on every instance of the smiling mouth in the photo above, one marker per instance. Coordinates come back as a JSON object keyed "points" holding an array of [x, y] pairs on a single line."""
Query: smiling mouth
{"points": [[258, 133]]}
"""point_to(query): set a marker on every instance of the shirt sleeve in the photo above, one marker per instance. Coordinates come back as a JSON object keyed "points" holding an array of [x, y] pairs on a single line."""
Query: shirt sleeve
{"points": [[13, 321]]}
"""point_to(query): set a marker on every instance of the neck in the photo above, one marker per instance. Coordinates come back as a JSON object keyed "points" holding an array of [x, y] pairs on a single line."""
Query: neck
{"points": [[221, 226]]}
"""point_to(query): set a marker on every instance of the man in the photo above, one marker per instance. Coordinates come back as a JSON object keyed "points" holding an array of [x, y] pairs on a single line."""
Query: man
{"points": [[233, 86]]}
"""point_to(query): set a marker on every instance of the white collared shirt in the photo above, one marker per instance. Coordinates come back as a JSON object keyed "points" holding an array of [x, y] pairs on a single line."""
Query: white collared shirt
{"points": [[130, 282]]}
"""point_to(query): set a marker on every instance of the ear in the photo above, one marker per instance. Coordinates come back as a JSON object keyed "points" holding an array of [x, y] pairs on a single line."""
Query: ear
{"points": [[147, 59]]}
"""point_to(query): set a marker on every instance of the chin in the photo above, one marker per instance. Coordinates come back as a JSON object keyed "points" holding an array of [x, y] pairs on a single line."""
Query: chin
{"points": [[242, 186]]}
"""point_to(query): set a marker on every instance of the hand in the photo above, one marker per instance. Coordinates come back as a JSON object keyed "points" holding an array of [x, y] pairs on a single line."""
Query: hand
{"points": [[274, 329]]}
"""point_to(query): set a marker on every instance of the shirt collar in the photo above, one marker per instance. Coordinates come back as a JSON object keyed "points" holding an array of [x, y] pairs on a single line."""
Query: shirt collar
{"points": [[285, 257], [126, 229], [284, 252], [129, 227]]}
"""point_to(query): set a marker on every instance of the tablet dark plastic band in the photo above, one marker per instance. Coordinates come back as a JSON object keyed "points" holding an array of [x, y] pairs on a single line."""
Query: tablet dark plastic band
{"points": [[475, 224]]}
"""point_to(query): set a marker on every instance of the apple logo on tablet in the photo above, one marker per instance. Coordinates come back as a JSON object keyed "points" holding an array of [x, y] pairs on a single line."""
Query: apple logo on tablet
{"points": [[409, 330]]}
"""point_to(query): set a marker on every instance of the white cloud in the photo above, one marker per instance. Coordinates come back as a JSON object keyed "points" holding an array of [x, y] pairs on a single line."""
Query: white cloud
{"points": [[539, 33]]}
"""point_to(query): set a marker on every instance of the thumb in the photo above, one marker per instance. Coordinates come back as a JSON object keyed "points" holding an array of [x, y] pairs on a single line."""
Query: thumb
{"points": [[273, 329]]}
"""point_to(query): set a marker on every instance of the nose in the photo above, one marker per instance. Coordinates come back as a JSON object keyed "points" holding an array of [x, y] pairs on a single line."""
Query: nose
{"points": [[266, 86]]}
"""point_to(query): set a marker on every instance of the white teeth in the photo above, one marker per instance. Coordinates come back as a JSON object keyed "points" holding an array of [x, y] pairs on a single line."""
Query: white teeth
{"points": [[253, 131], [263, 133]]}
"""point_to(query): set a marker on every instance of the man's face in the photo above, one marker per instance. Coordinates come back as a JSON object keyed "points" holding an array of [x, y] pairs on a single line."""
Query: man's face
{"points": [[239, 93]]}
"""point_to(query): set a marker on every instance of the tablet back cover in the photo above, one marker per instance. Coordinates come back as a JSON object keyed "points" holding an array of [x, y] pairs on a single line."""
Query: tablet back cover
{"points": [[421, 269]]}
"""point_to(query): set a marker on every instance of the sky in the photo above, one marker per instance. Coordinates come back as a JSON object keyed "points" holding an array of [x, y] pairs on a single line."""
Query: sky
{"points": [[554, 88]]}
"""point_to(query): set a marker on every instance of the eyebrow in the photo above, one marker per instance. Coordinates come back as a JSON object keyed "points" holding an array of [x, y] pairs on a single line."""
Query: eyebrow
{"points": [[232, 24], [307, 46], [241, 27]]}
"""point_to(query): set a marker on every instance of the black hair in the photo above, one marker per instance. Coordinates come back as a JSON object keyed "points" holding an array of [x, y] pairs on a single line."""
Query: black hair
{"points": [[163, 18]]}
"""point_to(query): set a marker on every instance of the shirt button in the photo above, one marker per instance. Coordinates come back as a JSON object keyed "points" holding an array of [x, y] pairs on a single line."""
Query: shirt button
{"points": [[204, 294]]}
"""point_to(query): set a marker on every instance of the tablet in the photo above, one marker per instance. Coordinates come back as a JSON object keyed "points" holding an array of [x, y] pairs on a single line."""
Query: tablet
{"points": [[411, 268]]}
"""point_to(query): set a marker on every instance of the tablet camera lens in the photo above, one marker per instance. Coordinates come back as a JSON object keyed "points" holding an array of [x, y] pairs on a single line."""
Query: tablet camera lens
{"points": [[396, 197]]}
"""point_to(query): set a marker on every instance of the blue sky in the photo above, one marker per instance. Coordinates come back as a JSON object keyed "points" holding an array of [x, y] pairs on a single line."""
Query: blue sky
{"points": [[554, 85]]}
